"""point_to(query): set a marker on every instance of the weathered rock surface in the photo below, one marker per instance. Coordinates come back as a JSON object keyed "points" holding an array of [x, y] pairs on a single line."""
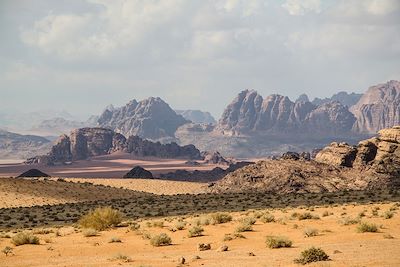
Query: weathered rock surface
{"points": [[139, 172], [197, 116], [344, 98], [374, 163], [378, 108], [151, 118], [33, 173], [88, 142], [250, 113], [214, 157]]}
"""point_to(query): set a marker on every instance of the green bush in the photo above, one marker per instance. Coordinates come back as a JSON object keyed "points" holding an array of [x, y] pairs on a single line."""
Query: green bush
{"points": [[365, 227], [160, 240], [101, 219], [218, 218], [312, 255], [24, 238], [278, 242], [195, 231]]}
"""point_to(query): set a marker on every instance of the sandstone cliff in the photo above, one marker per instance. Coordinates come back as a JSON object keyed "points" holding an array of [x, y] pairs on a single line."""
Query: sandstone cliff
{"points": [[197, 116], [151, 118], [378, 108]]}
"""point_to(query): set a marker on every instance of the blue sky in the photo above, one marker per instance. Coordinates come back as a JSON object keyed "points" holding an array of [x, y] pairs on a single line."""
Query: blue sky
{"points": [[83, 55]]}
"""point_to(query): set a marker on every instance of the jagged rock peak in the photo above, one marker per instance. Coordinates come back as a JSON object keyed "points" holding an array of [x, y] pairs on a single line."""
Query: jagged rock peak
{"points": [[378, 108], [151, 118], [303, 98]]}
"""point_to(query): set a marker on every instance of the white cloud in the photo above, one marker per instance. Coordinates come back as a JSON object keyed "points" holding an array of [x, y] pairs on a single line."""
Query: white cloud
{"points": [[301, 7]]}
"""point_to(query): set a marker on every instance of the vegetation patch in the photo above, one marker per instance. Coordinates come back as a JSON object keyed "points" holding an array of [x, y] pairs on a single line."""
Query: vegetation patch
{"points": [[160, 240], [101, 219], [278, 242], [24, 238], [312, 255]]}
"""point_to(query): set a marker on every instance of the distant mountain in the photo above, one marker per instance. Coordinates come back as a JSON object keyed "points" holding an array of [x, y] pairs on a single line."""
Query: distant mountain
{"points": [[378, 108], [151, 118], [57, 126], [197, 116], [249, 113], [344, 98], [16, 146]]}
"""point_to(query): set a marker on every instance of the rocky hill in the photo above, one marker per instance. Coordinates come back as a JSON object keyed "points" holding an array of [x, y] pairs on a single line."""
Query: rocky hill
{"points": [[249, 113], [197, 116], [151, 118], [378, 108], [344, 98], [373, 163], [17, 146], [84, 143]]}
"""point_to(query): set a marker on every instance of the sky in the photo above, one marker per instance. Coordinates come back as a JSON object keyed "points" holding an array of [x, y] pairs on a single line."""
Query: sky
{"points": [[82, 55]]}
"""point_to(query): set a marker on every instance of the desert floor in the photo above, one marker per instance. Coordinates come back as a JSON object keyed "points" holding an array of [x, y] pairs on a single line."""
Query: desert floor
{"points": [[66, 246], [108, 166]]}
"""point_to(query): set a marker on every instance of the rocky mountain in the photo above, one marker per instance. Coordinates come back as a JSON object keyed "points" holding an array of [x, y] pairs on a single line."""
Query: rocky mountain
{"points": [[344, 98], [378, 108], [373, 163], [17, 146], [84, 143], [197, 116], [151, 118], [250, 113]]}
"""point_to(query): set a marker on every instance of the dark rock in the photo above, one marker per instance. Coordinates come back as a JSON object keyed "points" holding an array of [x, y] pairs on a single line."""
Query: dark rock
{"points": [[33, 173], [139, 172], [214, 158], [291, 155]]}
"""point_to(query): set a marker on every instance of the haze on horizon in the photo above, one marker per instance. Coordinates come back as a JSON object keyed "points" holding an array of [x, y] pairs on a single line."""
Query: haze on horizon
{"points": [[81, 56]]}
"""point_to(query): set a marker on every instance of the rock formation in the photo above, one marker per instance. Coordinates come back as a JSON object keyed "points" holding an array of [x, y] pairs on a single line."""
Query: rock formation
{"points": [[344, 98], [373, 163], [139, 172], [88, 142], [378, 108], [197, 116], [214, 158], [151, 118], [250, 113], [33, 173]]}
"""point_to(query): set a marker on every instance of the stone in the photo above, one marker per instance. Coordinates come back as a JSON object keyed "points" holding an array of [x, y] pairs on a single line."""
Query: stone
{"points": [[203, 246], [337, 154], [223, 248]]}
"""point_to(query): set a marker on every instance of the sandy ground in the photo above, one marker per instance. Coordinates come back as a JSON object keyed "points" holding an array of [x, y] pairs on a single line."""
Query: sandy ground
{"points": [[345, 246], [109, 166]]}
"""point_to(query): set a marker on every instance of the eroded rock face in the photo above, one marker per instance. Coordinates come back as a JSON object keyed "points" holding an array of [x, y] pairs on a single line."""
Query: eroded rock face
{"points": [[214, 158], [197, 116], [88, 142], [337, 154], [151, 118], [276, 114], [378, 108]]}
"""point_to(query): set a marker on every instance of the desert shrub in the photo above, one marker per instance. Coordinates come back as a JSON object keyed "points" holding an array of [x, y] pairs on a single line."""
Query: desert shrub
{"points": [[267, 218], [388, 214], [7, 250], [312, 255], [195, 231], [218, 218], [42, 231], [325, 213], [248, 220], [307, 216], [227, 237], [365, 227], [349, 221], [244, 227], [115, 240], [278, 242], [160, 240], [388, 236], [201, 221], [121, 257], [159, 224], [101, 218], [24, 238], [89, 232], [134, 226], [309, 232], [180, 225]]}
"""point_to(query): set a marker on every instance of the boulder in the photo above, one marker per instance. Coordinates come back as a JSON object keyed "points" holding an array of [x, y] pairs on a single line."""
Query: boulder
{"points": [[337, 154], [139, 172]]}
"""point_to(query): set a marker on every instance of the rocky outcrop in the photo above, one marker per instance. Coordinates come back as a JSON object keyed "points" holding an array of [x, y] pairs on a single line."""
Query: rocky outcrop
{"points": [[344, 98], [249, 113], [89, 142], [33, 173], [214, 158], [151, 118], [139, 172], [197, 116], [378, 108], [373, 163]]}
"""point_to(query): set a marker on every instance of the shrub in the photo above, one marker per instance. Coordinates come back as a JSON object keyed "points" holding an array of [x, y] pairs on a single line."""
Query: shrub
{"points": [[159, 224], [388, 214], [309, 232], [325, 213], [307, 216], [312, 255], [121, 257], [134, 226], [278, 242], [24, 238], [349, 221], [7, 250], [101, 219], [89, 232], [244, 227], [365, 227], [268, 218], [196, 231], [160, 240], [248, 220], [115, 240], [180, 225], [218, 218]]}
